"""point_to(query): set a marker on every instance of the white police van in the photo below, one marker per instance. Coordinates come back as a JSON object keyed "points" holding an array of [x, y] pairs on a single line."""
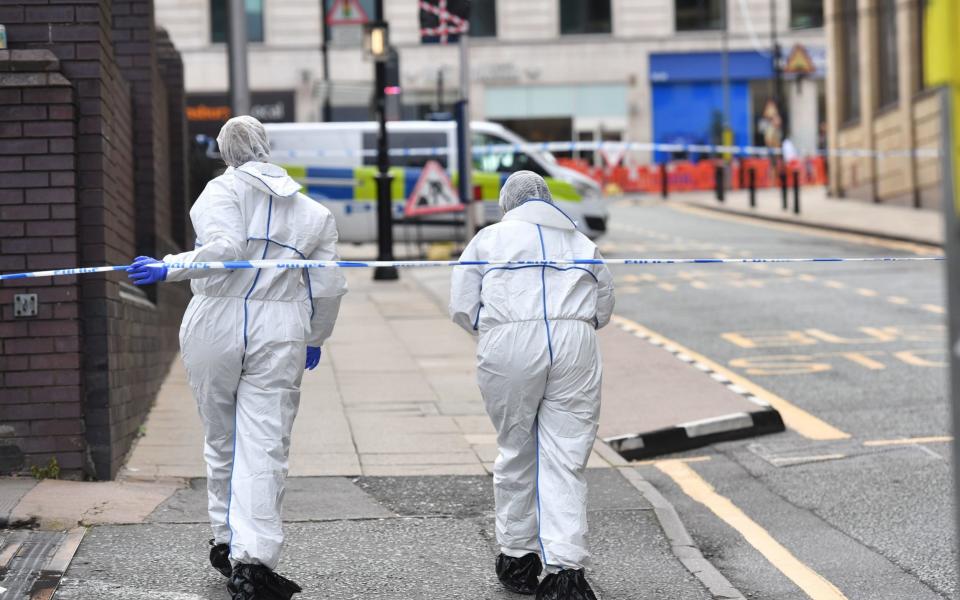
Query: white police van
{"points": [[336, 163]]}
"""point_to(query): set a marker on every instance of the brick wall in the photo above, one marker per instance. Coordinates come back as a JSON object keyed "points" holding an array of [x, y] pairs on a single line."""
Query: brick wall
{"points": [[40, 400], [121, 182]]}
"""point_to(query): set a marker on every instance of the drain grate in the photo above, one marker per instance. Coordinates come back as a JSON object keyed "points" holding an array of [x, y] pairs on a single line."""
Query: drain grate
{"points": [[32, 562]]}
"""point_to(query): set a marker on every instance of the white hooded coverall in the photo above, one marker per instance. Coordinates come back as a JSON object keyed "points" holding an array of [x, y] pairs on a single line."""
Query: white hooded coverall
{"points": [[244, 339], [539, 371]]}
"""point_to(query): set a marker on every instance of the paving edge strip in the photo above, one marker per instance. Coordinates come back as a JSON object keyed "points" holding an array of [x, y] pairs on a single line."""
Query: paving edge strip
{"points": [[696, 434], [919, 241]]}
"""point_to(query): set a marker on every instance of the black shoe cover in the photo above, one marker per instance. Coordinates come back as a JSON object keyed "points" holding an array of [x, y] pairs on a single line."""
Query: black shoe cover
{"points": [[257, 582], [568, 584], [519, 575], [220, 558]]}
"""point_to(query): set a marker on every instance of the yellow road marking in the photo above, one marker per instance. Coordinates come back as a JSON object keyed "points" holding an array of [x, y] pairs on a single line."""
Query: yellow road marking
{"points": [[934, 309], [668, 287], [761, 267], [866, 292], [794, 417], [898, 300], [936, 439], [806, 277], [699, 285], [837, 285], [863, 360], [783, 271], [858, 238], [812, 583]]}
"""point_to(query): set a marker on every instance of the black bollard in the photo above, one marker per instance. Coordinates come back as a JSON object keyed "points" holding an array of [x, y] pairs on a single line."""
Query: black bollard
{"points": [[796, 192], [664, 181], [719, 183], [783, 188], [752, 183]]}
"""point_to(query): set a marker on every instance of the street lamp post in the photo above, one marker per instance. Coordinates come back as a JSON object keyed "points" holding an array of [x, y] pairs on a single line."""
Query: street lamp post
{"points": [[775, 52], [377, 46]]}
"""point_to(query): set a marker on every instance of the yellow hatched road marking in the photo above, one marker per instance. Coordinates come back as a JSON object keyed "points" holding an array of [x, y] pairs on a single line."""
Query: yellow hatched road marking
{"points": [[668, 287], [837, 285], [812, 583], [867, 292], [806, 277], [937, 439], [934, 309], [793, 416], [898, 300]]}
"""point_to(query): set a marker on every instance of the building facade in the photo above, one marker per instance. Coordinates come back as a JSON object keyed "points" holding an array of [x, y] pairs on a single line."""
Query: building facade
{"points": [[877, 101], [549, 69]]}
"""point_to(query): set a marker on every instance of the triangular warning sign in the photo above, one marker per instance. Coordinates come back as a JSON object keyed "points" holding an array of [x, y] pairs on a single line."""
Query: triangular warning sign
{"points": [[433, 193], [799, 61], [347, 12]]}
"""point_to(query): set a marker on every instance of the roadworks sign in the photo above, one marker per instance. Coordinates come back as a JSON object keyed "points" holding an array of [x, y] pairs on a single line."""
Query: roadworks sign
{"points": [[433, 193], [347, 12]]}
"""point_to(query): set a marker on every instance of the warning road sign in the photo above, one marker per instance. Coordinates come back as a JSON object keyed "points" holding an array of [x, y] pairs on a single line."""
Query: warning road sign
{"points": [[433, 193], [347, 12]]}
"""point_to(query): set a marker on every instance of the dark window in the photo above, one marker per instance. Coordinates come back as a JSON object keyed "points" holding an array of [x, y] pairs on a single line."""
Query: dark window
{"points": [[585, 16], [483, 18], [888, 74], [220, 23], [849, 47], [699, 15], [425, 142], [805, 14], [500, 159]]}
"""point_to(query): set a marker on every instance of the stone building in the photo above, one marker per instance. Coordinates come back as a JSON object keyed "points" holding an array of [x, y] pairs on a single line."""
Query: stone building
{"points": [[877, 101], [549, 69], [92, 172]]}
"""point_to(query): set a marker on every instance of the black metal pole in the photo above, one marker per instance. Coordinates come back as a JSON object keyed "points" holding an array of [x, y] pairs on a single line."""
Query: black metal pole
{"points": [[796, 192], [325, 51], [384, 180], [719, 182], [783, 187], [664, 181], [752, 182], [777, 71]]}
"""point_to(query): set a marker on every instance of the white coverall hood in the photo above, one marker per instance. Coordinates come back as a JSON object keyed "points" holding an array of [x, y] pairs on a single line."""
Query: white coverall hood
{"points": [[541, 213], [539, 373], [268, 178]]}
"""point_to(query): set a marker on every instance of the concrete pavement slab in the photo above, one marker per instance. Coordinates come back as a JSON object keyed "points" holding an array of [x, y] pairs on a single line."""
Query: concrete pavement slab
{"points": [[435, 540], [305, 499], [64, 504], [12, 489]]}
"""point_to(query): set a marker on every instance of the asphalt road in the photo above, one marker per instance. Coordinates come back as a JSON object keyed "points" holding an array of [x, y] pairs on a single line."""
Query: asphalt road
{"points": [[839, 506]]}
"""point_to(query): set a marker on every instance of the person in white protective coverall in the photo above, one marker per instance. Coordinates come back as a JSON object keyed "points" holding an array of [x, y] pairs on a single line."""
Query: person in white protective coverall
{"points": [[539, 372], [246, 338]]}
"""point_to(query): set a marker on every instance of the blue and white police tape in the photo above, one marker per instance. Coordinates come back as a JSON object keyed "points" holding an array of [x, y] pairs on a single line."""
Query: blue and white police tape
{"points": [[408, 264], [615, 148]]}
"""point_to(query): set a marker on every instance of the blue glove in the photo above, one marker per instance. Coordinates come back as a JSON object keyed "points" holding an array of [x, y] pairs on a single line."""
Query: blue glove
{"points": [[141, 274], [313, 357]]}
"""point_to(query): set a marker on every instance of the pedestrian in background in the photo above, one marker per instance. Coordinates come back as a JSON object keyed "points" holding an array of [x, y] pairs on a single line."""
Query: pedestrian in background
{"points": [[246, 338], [539, 371]]}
